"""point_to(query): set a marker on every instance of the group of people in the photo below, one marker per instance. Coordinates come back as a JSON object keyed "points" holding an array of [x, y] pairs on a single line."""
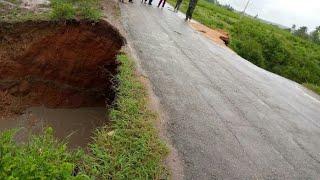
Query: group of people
{"points": [[191, 7]]}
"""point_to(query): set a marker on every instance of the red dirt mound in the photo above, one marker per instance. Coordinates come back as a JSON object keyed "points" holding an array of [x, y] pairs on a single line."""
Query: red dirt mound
{"points": [[57, 64]]}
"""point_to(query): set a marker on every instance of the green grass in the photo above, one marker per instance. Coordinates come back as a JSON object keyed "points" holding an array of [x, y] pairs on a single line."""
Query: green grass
{"points": [[313, 87], [127, 148], [274, 49], [60, 10], [42, 157], [69, 9]]}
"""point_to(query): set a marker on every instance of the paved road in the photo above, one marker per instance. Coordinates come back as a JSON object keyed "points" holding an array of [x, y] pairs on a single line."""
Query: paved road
{"points": [[228, 119]]}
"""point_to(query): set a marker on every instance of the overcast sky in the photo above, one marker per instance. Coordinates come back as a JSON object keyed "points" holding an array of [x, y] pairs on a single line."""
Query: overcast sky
{"points": [[285, 12]]}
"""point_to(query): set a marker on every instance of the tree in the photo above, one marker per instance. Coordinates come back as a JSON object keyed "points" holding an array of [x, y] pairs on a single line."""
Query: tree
{"points": [[293, 28], [315, 35], [302, 32]]}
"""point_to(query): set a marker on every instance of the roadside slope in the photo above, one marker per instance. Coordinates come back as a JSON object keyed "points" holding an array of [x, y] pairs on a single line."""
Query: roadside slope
{"points": [[227, 117]]}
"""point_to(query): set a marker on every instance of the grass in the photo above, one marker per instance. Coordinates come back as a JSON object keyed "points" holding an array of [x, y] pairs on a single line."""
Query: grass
{"points": [[59, 10], [42, 157], [69, 9], [129, 148], [312, 87], [268, 46]]}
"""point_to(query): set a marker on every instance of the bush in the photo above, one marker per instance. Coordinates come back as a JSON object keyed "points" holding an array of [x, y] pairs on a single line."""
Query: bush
{"points": [[250, 50]]}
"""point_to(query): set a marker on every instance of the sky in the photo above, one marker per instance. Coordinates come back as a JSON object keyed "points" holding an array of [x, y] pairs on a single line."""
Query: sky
{"points": [[284, 12]]}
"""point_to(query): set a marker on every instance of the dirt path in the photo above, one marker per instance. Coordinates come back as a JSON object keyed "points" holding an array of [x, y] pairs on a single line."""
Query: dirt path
{"points": [[227, 118]]}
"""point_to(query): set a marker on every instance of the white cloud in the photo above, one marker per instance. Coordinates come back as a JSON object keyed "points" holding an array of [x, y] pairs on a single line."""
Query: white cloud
{"points": [[285, 12]]}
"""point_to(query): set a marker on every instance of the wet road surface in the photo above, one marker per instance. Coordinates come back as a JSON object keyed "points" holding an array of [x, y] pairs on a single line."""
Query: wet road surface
{"points": [[227, 118]]}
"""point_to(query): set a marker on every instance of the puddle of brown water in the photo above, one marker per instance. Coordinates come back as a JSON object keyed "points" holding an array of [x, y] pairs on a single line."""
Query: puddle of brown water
{"points": [[76, 124]]}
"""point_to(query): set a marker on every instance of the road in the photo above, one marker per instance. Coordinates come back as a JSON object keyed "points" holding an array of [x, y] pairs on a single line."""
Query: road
{"points": [[227, 118]]}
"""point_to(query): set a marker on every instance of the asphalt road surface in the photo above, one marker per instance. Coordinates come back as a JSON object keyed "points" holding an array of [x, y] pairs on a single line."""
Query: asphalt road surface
{"points": [[227, 118]]}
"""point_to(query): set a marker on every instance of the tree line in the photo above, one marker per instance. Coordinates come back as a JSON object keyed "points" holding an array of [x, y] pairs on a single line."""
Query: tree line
{"points": [[302, 32]]}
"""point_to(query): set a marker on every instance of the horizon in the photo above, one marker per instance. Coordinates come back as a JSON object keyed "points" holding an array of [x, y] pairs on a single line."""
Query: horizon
{"points": [[284, 12]]}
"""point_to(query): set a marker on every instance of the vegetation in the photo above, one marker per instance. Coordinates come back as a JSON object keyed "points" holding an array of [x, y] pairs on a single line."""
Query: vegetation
{"points": [[58, 10], [268, 46], [42, 157], [69, 9], [128, 148], [62, 10], [313, 87]]}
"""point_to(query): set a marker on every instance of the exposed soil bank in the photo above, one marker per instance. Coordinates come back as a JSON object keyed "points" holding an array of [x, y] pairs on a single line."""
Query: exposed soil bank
{"points": [[57, 64]]}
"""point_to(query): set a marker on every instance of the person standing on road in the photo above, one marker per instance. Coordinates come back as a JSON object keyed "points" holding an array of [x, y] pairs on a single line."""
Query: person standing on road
{"points": [[192, 6], [164, 2], [177, 7], [150, 2]]}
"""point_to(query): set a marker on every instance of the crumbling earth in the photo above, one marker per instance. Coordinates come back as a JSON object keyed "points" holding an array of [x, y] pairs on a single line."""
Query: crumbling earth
{"points": [[61, 64]]}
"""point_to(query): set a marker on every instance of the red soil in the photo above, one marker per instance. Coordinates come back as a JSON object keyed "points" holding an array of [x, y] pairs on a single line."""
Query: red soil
{"points": [[59, 65]]}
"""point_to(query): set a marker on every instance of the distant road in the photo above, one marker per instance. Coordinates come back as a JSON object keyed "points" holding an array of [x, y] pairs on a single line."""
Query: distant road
{"points": [[228, 118]]}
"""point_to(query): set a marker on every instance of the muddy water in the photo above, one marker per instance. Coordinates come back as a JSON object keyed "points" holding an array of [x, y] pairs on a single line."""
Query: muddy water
{"points": [[58, 65], [76, 124]]}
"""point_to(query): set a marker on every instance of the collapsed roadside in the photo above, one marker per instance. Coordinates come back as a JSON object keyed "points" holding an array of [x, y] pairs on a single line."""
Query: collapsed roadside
{"points": [[126, 147]]}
